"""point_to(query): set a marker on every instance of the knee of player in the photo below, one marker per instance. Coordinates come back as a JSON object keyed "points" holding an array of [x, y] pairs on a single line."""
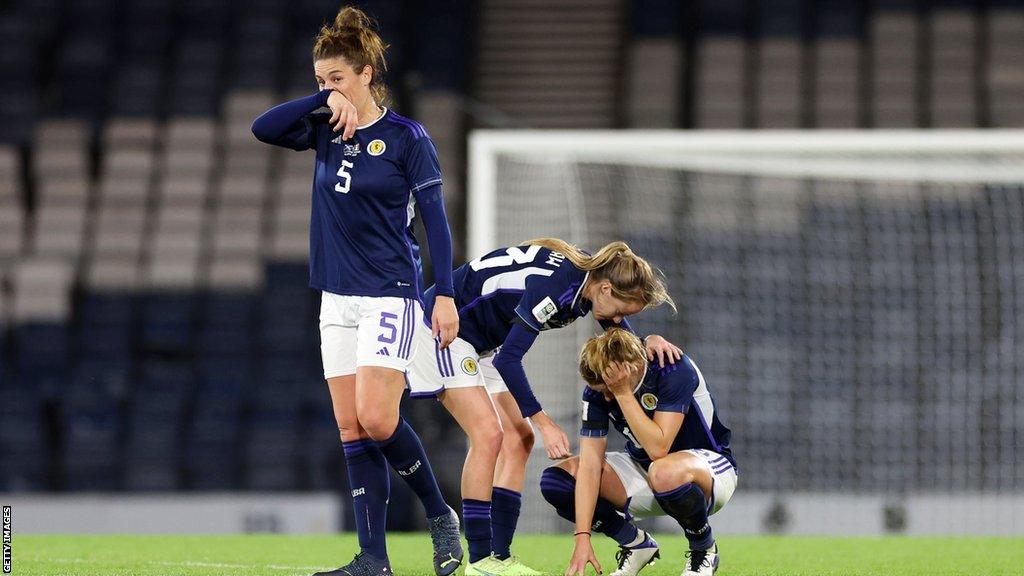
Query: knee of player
{"points": [[488, 437], [556, 483], [518, 442], [379, 426], [665, 475], [350, 432]]}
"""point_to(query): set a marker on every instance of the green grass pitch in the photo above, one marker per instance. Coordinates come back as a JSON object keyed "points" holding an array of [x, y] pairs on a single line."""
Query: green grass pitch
{"points": [[410, 554]]}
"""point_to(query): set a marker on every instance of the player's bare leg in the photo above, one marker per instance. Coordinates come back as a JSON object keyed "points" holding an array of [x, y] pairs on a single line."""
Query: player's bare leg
{"points": [[378, 396], [343, 401], [637, 548], [684, 471], [366, 465], [472, 409], [509, 477], [516, 446], [677, 469]]}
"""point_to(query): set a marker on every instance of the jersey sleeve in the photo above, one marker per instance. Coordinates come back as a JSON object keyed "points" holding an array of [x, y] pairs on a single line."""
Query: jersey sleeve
{"points": [[543, 297], [509, 364], [678, 383], [439, 236], [593, 415], [293, 124], [422, 169]]}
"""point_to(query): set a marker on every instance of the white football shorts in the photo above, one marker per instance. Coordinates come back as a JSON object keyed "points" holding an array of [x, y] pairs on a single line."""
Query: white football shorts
{"points": [[367, 331], [642, 503], [457, 366]]}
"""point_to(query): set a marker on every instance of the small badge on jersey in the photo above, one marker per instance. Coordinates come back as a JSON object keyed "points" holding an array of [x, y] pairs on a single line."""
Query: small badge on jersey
{"points": [[470, 367], [352, 149], [649, 401], [376, 147], [545, 310]]}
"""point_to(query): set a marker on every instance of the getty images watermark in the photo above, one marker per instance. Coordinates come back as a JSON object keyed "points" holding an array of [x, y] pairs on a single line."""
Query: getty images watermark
{"points": [[7, 539]]}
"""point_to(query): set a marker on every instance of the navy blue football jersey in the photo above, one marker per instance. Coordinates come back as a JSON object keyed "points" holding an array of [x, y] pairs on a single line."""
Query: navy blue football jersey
{"points": [[528, 284], [678, 387], [361, 235]]}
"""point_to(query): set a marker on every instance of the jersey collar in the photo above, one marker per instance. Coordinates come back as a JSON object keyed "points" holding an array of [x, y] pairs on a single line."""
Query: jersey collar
{"points": [[640, 382], [579, 291], [377, 119]]}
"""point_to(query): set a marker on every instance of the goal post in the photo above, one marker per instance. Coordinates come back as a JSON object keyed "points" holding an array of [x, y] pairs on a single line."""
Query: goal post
{"points": [[855, 299]]}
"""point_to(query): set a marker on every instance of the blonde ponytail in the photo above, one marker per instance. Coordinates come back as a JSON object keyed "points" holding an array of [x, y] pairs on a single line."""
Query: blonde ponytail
{"points": [[632, 278]]}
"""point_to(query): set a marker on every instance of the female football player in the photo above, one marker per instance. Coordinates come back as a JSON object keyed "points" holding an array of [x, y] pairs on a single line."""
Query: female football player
{"points": [[372, 167], [677, 460], [505, 299]]}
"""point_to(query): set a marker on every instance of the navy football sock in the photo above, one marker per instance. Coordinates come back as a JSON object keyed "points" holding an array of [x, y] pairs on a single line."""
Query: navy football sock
{"points": [[505, 506], [689, 507], [559, 488], [476, 518], [370, 482], [405, 454]]}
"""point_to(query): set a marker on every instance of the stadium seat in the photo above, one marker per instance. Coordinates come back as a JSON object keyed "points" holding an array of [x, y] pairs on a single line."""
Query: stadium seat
{"points": [[23, 442], [90, 451], [167, 322]]}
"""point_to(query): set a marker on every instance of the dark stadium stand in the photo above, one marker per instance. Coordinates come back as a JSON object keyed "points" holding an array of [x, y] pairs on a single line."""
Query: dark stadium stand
{"points": [[156, 330]]}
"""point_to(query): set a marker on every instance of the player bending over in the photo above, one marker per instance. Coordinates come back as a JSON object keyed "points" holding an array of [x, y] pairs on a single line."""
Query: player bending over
{"points": [[677, 460], [505, 300]]}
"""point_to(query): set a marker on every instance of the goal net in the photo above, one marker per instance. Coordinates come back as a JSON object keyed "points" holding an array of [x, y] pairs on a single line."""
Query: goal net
{"points": [[855, 300]]}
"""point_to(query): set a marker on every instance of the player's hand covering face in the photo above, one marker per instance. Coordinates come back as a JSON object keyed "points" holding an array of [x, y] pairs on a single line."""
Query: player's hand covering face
{"points": [[621, 378], [344, 116], [336, 75]]}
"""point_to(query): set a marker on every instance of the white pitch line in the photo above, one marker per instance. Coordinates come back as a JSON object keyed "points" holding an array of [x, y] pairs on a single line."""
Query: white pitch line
{"points": [[187, 563]]}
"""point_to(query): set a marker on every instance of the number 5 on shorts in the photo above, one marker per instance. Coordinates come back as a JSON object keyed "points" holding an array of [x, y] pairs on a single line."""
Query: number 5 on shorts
{"points": [[391, 331]]}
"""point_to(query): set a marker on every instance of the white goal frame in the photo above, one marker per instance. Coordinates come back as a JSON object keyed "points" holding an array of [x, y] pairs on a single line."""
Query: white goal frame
{"points": [[855, 154], [959, 162]]}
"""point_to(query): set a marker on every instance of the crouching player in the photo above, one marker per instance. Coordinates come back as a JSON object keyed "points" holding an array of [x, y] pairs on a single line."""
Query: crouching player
{"points": [[677, 460]]}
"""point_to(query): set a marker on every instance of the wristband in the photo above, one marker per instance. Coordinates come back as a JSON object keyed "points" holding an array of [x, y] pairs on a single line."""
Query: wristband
{"points": [[587, 532]]}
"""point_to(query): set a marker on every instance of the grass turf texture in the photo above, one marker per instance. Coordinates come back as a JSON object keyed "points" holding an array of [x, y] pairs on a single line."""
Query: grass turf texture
{"points": [[410, 555]]}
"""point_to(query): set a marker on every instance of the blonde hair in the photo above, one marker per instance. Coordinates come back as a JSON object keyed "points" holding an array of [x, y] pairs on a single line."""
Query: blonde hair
{"points": [[615, 345], [631, 277], [354, 38]]}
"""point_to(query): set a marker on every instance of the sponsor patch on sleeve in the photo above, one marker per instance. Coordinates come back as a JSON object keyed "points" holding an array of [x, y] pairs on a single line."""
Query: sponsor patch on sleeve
{"points": [[545, 310]]}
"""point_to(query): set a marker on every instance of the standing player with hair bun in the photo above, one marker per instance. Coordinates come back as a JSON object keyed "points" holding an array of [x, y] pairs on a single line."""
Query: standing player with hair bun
{"points": [[372, 168]]}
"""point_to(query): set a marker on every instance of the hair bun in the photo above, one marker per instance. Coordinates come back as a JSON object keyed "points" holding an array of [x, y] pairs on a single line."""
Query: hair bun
{"points": [[351, 18]]}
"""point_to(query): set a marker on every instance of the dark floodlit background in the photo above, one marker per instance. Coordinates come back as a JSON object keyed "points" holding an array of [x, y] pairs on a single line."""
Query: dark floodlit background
{"points": [[157, 336]]}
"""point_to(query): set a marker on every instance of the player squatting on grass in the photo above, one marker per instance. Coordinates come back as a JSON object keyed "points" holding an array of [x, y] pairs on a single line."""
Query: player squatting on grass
{"points": [[677, 461]]}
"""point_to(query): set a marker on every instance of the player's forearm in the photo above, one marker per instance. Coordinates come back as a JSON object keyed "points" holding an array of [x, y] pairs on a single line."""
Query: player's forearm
{"points": [[273, 124], [646, 431], [514, 376], [588, 487], [509, 364], [439, 237]]}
